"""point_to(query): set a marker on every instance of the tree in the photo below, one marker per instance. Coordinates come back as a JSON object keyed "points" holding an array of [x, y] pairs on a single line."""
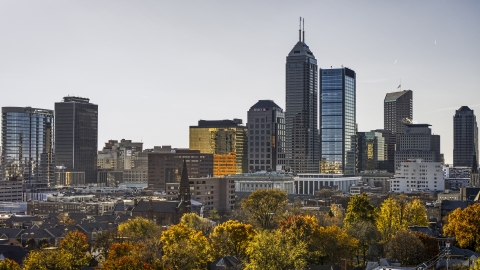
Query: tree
{"points": [[416, 214], [476, 265], [104, 242], [265, 206], [195, 222], [213, 214], [138, 228], [75, 245], [185, 248], [334, 216], [269, 250], [48, 260], [124, 256], [430, 245], [8, 264], [367, 234], [336, 243], [359, 209], [231, 238], [388, 219], [463, 224], [64, 219], [405, 248]]}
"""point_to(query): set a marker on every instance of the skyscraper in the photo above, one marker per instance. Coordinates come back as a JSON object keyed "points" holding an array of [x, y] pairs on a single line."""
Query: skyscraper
{"points": [[370, 151], [27, 140], [397, 111], [266, 136], [302, 144], [76, 136], [337, 120], [465, 137]]}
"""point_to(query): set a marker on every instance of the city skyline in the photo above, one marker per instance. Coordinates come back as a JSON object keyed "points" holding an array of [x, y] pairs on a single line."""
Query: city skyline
{"points": [[133, 59]]}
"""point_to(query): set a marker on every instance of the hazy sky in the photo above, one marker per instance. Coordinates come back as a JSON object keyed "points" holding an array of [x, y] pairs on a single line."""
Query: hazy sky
{"points": [[157, 67]]}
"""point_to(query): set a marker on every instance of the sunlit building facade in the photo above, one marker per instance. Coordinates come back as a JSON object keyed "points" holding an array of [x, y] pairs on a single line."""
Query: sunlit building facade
{"points": [[337, 120], [27, 145], [228, 142], [370, 151]]}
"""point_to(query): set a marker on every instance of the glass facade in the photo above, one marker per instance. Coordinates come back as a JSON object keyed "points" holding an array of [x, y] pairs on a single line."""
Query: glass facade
{"points": [[370, 151], [76, 136], [27, 145], [465, 137], [227, 140], [337, 120], [301, 116]]}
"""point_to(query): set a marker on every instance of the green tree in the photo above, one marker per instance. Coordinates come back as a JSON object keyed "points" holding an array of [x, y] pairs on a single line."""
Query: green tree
{"points": [[8, 264], [405, 248], [231, 238], [75, 245], [213, 214], [138, 228], [265, 207], [367, 234], [269, 250], [195, 222], [463, 224], [359, 209], [48, 260], [185, 248]]}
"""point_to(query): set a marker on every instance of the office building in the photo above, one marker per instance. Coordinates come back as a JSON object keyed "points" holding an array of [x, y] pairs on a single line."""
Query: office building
{"points": [[247, 183], [370, 151], [388, 163], [397, 111], [228, 142], [308, 184], [416, 176], [337, 120], [418, 143], [465, 136], [27, 146], [266, 137], [76, 136], [165, 166], [301, 115]]}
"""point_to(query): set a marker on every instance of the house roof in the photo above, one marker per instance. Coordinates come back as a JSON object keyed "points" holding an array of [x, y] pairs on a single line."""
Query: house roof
{"points": [[452, 205], [15, 253], [423, 229], [157, 206]]}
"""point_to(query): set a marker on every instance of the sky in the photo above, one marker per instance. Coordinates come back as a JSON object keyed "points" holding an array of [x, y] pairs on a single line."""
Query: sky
{"points": [[157, 67]]}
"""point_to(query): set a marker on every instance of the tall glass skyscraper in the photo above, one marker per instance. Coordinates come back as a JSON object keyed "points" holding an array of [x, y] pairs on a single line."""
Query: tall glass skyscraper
{"points": [[337, 120], [76, 136], [27, 145], [302, 144], [465, 137]]}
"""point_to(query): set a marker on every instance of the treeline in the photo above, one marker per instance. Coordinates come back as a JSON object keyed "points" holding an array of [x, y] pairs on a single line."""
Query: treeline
{"points": [[266, 232]]}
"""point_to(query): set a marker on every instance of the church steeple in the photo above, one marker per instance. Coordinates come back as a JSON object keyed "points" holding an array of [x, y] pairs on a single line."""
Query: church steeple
{"points": [[474, 177], [184, 189]]}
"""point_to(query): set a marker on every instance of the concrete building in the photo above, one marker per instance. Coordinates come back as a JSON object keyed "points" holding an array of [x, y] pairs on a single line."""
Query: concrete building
{"points": [[266, 137], [418, 143], [27, 146], [11, 191], [76, 136], [69, 178], [456, 177], [212, 192], [465, 137], [397, 111], [377, 179], [165, 166], [338, 121], [418, 175], [307, 184], [226, 140], [302, 149], [249, 182]]}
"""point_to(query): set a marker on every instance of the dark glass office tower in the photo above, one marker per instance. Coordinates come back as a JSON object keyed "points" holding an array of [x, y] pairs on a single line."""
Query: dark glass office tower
{"points": [[397, 111], [76, 136], [266, 137], [337, 120], [465, 137], [302, 144], [27, 145]]}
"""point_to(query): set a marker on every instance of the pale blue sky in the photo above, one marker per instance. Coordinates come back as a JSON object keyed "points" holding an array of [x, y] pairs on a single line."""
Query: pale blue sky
{"points": [[157, 67]]}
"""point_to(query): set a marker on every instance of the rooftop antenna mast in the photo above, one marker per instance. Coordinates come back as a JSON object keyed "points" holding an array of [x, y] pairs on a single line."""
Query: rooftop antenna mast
{"points": [[300, 30], [303, 22]]}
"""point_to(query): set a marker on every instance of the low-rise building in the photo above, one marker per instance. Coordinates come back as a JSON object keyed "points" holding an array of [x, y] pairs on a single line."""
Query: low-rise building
{"points": [[249, 182], [307, 184], [417, 175]]}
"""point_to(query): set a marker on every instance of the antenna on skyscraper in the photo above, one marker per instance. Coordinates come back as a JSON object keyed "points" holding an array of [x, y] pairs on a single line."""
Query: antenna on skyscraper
{"points": [[300, 30], [303, 21]]}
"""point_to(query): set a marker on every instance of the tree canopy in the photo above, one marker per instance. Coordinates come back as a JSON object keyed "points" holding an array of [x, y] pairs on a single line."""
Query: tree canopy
{"points": [[464, 225], [359, 209], [231, 238], [265, 207]]}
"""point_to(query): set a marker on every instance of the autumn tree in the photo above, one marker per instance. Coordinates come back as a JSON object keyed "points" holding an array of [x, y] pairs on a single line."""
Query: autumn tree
{"points": [[185, 248], [334, 216], [336, 243], [138, 228], [269, 250], [231, 238], [213, 214], [367, 234], [63, 219], [416, 214], [430, 245], [388, 219], [463, 224], [359, 209], [124, 256], [48, 260], [265, 207], [8, 264], [104, 242], [75, 245], [195, 222], [405, 248]]}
